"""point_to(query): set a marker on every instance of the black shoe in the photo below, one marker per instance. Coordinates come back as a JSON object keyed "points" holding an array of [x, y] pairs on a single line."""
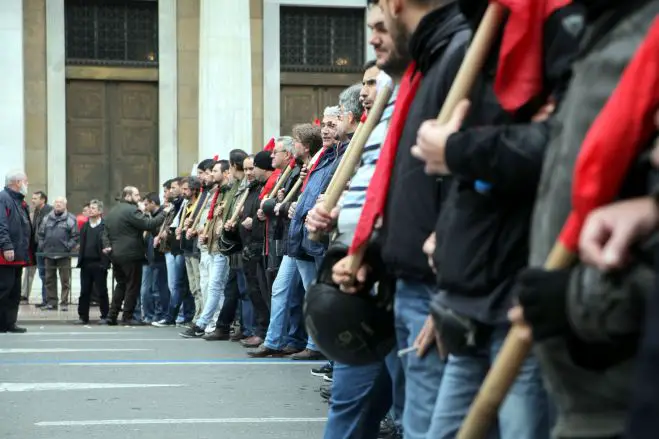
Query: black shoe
{"points": [[24, 299], [41, 305], [112, 321], [132, 322], [217, 335], [81, 322], [322, 370], [192, 332], [64, 308], [16, 330]]}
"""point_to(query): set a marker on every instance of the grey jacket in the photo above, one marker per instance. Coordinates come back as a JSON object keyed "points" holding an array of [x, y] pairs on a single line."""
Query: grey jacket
{"points": [[589, 403], [58, 234]]}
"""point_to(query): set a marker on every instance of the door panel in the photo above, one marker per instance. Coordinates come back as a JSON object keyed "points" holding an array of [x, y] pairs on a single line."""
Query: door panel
{"points": [[112, 139], [299, 104], [328, 97]]}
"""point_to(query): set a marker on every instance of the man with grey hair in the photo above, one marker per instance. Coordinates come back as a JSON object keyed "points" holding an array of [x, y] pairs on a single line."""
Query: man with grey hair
{"points": [[16, 247], [58, 237], [93, 264], [309, 254]]}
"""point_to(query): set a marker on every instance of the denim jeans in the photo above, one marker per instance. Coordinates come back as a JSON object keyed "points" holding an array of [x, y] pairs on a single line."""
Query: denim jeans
{"points": [[308, 272], [287, 292], [395, 368], [41, 267], [218, 274], [361, 397], [178, 287], [525, 413], [154, 292], [423, 376]]}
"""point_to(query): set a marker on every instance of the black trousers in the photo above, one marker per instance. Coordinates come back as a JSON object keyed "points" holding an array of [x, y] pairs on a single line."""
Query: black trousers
{"points": [[230, 305], [128, 278], [257, 288], [10, 295], [93, 277]]}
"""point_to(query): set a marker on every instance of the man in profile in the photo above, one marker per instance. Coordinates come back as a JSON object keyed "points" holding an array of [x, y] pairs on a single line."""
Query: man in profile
{"points": [[123, 241]]}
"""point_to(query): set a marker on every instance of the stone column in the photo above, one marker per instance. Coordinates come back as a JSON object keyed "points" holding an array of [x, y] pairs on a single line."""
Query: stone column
{"points": [[225, 78], [56, 98], [12, 101], [167, 91]]}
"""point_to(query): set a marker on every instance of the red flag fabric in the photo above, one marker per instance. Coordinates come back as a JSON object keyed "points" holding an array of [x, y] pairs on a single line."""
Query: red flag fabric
{"points": [[216, 157], [213, 203], [316, 122], [519, 71], [270, 145], [270, 183], [624, 126], [81, 220], [376, 195], [363, 118]]}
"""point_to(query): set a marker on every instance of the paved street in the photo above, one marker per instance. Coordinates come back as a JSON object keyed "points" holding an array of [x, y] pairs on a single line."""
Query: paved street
{"points": [[63, 381]]}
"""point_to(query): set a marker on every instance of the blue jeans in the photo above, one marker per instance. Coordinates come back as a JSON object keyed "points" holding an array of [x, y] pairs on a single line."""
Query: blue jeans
{"points": [[361, 397], [287, 294], [308, 272], [395, 368], [178, 288], [218, 274], [154, 292], [525, 413], [423, 376]]}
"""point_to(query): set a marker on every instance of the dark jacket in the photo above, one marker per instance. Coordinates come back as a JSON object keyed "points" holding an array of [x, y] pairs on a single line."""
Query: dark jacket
{"points": [[173, 245], [414, 199], [38, 217], [482, 236], [278, 224], [589, 403], [58, 234], [84, 233], [124, 227], [253, 238], [15, 229], [189, 246], [153, 255]]}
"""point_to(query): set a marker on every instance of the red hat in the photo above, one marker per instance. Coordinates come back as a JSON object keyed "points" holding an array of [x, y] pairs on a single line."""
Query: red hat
{"points": [[270, 145]]}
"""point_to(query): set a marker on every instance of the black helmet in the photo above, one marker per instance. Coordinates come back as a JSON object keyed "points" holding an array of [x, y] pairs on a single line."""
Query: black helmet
{"points": [[353, 329]]}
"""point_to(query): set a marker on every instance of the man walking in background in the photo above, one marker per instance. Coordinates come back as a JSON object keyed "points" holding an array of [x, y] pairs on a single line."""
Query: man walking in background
{"points": [[41, 208], [16, 247]]}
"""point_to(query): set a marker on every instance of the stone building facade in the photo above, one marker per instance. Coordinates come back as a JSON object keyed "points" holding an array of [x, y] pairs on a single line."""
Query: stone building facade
{"points": [[99, 94]]}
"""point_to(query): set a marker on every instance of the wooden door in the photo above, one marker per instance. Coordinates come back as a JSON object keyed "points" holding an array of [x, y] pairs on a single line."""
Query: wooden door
{"points": [[112, 139], [299, 104]]}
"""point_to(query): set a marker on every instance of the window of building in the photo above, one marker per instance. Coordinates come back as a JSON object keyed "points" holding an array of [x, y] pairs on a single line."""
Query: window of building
{"points": [[322, 39], [112, 32]]}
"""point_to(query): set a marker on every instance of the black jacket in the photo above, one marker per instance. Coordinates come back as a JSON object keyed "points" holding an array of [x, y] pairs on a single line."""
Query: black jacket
{"points": [[173, 244], [38, 216], [84, 231], [252, 239], [438, 46], [277, 233], [15, 229], [153, 254], [483, 235], [125, 226]]}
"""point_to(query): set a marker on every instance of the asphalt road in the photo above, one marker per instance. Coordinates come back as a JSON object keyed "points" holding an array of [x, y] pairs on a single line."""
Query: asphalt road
{"points": [[63, 381]]}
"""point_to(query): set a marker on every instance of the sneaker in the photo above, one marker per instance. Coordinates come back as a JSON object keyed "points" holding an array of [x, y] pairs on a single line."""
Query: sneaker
{"points": [[162, 324], [329, 376], [322, 370], [193, 332]]}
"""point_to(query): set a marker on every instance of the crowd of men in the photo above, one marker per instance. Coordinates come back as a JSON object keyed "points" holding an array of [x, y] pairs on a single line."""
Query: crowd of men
{"points": [[454, 220]]}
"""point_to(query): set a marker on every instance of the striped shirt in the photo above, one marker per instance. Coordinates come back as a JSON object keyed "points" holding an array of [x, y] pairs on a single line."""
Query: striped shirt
{"points": [[354, 197]]}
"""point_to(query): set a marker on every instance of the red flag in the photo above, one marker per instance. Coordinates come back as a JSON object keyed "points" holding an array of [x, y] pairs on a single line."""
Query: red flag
{"points": [[376, 195], [316, 122], [624, 126], [319, 156], [363, 118], [519, 73], [270, 183], [270, 145], [216, 157]]}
